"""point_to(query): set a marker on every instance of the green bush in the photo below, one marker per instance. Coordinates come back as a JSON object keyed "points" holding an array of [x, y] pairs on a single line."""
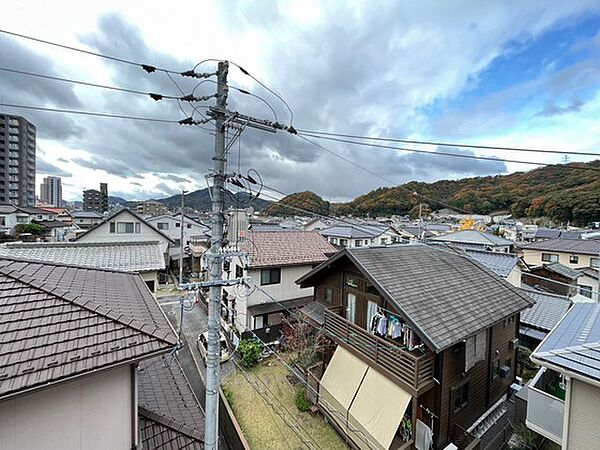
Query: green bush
{"points": [[32, 228], [250, 351], [525, 366], [301, 403]]}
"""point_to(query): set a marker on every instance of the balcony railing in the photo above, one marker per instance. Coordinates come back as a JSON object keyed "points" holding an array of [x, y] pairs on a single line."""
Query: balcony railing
{"points": [[414, 371], [545, 412]]}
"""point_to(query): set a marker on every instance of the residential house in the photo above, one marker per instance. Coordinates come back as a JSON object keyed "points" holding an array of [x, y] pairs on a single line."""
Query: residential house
{"points": [[143, 257], [10, 216], [276, 260], [195, 237], [553, 277], [359, 235], [537, 321], [126, 226], [38, 214], [53, 230], [426, 341], [82, 363], [87, 219], [477, 240], [411, 234], [563, 399], [63, 214], [574, 253]]}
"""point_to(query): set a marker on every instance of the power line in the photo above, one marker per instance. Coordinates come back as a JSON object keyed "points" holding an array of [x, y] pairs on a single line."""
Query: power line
{"points": [[147, 67], [448, 144], [153, 95], [90, 113], [445, 154]]}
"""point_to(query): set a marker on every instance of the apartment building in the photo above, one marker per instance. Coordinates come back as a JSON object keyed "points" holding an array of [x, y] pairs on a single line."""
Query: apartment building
{"points": [[51, 192], [96, 200], [17, 161]]}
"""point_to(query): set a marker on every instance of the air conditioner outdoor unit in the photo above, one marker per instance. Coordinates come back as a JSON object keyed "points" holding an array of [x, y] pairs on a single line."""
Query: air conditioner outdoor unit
{"points": [[504, 371], [513, 343]]}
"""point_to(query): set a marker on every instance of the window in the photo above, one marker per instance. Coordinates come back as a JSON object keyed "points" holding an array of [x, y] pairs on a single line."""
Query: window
{"points": [[138, 227], [162, 225], [189, 225], [328, 298], [371, 312], [586, 291], [359, 243], [549, 257], [351, 308], [344, 242], [270, 276], [239, 271], [496, 369], [461, 397], [573, 259], [177, 224], [333, 241], [595, 262], [112, 226], [124, 227], [258, 322], [352, 281], [383, 241]]}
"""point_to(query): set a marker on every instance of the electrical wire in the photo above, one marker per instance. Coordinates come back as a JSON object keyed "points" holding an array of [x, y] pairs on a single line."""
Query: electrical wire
{"points": [[448, 144], [181, 107], [154, 96], [88, 113], [444, 154], [147, 67]]}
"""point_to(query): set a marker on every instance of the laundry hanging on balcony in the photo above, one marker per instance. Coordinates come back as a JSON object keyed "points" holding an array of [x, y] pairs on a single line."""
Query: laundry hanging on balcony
{"points": [[393, 328]]}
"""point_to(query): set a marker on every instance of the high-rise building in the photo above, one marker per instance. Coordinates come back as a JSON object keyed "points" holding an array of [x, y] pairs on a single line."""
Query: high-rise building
{"points": [[51, 191], [96, 200], [17, 161]]}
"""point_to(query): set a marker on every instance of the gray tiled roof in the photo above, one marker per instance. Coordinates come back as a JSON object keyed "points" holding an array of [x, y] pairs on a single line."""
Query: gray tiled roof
{"points": [[574, 344], [472, 237], [500, 263], [564, 271], [140, 256], [57, 322], [581, 246], [590, 272], [447, 297], [170, 415], [547, 311], [87, 215], [417, 231]]}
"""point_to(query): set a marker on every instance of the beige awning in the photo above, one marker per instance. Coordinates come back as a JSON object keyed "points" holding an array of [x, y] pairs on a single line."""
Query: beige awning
{"points": [[377, 409], [364, 403]]}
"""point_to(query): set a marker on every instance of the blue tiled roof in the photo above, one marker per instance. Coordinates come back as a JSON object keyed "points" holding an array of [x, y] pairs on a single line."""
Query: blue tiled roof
{"points": [[574, 344]]}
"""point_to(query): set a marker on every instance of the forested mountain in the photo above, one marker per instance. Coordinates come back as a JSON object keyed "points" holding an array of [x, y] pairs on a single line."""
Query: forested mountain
{"points": [[201, 201], [559, 192], [297, 202]]}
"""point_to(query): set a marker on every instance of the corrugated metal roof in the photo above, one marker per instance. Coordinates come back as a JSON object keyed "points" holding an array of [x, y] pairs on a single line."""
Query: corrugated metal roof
{"points": [[57, 322], [140, 256], [574, 344]]}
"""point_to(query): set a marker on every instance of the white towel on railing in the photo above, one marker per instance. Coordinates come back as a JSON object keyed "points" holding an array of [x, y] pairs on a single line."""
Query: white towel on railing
{"points": [[423, 436]]}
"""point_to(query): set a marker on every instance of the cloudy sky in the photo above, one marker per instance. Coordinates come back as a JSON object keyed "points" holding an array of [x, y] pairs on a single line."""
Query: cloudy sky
{"points": [[508, 73]]}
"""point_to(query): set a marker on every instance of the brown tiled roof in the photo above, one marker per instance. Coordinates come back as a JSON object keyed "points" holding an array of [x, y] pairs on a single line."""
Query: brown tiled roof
{"points": [[57, 322], [286, 248], [170, 415]]}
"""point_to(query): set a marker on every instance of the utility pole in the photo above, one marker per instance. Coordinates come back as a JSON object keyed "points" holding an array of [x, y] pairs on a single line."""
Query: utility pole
{"points": [[181, 241], [215, 260]]}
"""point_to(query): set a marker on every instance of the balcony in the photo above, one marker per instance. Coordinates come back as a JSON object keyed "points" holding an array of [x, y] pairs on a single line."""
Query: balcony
{"points": [[413, 370], [545, 408]]}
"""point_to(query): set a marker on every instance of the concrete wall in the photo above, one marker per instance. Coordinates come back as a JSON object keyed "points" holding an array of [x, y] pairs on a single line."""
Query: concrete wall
{"points": [[96, 412], [534, 258], [147, 233]]}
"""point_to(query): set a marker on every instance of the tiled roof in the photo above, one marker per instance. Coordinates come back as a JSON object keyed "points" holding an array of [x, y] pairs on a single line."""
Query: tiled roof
{"points": [[581, 246], [51, 223], [353, 231], [170, 415], [139, 256], [87, 215], [590, 272], [472, 237], [549, 233], [574, 344], [7, 209], [499, 263], [417, 231], [564, 271], [547, 311], [445, 296], [286, 248], [57, 322]]}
